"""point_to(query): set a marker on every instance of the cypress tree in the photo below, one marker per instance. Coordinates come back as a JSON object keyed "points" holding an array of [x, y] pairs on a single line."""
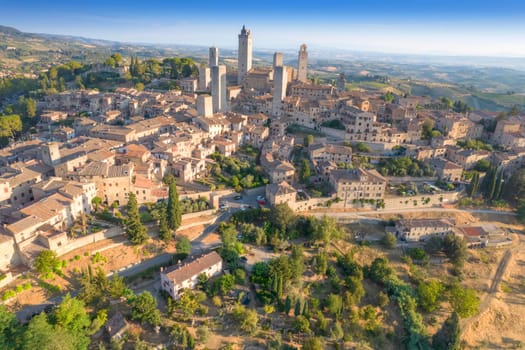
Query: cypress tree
{"points": [[499, 185], [298, 307], [164, 230], [287, 305], [448, 337], [474, 184], [174, 214], [306, 311], [492, 186], [136, 231]]}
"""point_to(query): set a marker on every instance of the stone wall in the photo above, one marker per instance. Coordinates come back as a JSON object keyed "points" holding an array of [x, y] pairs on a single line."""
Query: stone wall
{"points": [[76, 243]]}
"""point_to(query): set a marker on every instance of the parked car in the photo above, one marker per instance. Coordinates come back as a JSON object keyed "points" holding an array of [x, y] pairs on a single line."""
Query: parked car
{"points": [[238, 197], [259, 198]]}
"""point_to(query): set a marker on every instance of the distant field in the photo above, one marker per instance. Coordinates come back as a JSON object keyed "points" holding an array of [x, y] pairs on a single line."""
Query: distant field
{"points": [[477, 100]]}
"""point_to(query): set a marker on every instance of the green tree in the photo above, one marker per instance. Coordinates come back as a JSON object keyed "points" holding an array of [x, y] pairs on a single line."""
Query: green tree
{"points": [[144, 309], [447, 102], [308, 140], [301, 324], [96, 201], [455, 248], [10, 125], [429, 294], [355, 292], [389, 240], [305, 172], [164, 231], [79, 82], [246, 319], [117, 286], [134, 228], [434, 245], [483, 165], [182, 337], [514, 189], [520, 210], [315, 343], [380, 270], [203, 334], [47, 262], [9, 329], [336, 332], [449, 336], [334, 305], [72, 315], [282, 217], [40, 334], [298, 307], [474, 184], [183, 246], [326, 230], [382, 299], [139, 86], [320, 263], [174, 213], [464, 301]]}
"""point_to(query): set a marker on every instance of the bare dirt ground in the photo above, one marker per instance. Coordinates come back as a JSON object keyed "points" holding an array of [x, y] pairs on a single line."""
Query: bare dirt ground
{"points": [[192, 232], [116, 253], [500, 324]]}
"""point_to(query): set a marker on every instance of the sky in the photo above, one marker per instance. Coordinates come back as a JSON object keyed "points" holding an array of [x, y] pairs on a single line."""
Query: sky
{"points": [[442, 27]]}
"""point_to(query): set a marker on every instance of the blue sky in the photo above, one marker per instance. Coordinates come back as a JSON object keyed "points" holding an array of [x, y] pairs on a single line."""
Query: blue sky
{"points": [[452, 27]]}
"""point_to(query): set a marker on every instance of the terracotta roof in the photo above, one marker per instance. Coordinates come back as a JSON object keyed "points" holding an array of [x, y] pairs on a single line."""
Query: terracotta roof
{"points": [[24, 224], [280, 189], [47, 208], [473, 231], [178, 274], [119, 170], [136, 151], [142, 182]]}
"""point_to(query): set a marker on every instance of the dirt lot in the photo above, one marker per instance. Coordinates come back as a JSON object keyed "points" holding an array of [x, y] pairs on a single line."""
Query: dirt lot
{"points": [[115, 254], [501, 324]]}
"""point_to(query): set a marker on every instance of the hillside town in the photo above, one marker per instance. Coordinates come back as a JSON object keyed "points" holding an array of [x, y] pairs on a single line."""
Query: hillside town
{"points": [[246, 137]]}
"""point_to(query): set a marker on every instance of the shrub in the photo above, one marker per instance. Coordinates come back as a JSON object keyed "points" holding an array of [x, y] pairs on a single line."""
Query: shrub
{"points": [[8, 295]]}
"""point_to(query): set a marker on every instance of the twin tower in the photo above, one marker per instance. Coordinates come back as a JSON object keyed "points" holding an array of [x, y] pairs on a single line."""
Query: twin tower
{"points": [[213, 77]]}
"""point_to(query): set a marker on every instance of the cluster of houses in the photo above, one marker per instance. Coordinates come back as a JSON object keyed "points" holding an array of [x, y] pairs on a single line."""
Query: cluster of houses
{"points": [[107, 144]]}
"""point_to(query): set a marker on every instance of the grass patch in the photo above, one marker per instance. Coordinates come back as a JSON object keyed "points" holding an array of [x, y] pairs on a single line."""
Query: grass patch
{"points": [[505, 288]]}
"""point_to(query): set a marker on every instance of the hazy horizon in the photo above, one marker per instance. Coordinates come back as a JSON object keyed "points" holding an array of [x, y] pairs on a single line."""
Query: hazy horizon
{"points": [[447, 28]]}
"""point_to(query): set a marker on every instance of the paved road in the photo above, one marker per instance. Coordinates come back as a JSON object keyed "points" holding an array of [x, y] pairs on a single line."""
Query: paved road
{"points": [[153, 286], [248, 199]]}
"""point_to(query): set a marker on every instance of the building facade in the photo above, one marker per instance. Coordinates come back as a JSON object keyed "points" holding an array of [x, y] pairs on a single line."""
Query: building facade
{"points": [[302, 61], [244, 54], [175, 279]]}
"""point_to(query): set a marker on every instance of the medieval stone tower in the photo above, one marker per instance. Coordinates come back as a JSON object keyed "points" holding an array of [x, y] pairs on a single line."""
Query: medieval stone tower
{"points": [[302, 64], [213, 59], [245, 54]]}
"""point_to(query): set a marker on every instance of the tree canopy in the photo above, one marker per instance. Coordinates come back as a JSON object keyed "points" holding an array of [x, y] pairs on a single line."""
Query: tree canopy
{"points": [[134, 228]]}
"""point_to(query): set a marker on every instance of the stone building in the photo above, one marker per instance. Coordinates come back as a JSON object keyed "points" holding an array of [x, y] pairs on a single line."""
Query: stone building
{"points": [[278, 193], [302, 64], [422, 229], [175, 279], [218, 89], [357, 184], [244, 55]]}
